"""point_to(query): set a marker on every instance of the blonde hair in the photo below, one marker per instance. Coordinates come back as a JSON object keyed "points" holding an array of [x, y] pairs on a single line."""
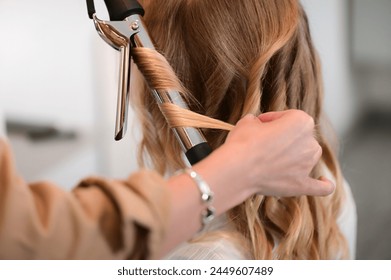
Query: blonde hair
{"points": [[229, 58]]}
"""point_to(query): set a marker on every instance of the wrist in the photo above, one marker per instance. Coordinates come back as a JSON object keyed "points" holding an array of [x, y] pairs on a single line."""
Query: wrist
{"points": [[206, 196], [224, 175]]}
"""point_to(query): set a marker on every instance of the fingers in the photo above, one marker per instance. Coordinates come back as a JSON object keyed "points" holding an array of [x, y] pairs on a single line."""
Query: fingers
{"points": [[320, 187], [297, 118], [299, 153], [274, 115], [245, 129], [317, 154], [271, 116], [248, 117], [248, 120]]}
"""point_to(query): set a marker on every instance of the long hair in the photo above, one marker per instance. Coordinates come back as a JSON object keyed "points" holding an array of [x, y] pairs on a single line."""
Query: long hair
{"points": [[229, 58]]}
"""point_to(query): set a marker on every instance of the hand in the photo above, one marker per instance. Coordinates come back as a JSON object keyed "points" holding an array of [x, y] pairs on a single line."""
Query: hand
{"points": [[275, 154]]}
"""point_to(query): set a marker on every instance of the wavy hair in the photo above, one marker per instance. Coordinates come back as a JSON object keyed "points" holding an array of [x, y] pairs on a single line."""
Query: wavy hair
{"points": [[229, 58]]}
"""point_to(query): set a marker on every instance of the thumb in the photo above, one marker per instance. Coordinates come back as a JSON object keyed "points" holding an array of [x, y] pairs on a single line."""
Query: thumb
{"points": [[320, 187], [271, 116]]}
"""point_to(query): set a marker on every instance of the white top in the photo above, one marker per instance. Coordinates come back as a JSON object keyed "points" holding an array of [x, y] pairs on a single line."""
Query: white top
{"points": [[224, 247], [2, 124]]}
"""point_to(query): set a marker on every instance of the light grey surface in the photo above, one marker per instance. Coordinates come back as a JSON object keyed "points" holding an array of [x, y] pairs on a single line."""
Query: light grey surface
{"points": [[366, 153], [366, 163]]}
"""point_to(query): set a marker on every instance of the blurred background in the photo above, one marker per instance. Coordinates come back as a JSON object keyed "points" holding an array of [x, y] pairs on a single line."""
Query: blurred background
{"points": [[58, 86]]}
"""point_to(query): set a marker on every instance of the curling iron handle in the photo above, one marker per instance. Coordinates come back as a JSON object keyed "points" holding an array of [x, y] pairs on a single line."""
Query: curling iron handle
{"points": [[121, 9], [198, 153]]}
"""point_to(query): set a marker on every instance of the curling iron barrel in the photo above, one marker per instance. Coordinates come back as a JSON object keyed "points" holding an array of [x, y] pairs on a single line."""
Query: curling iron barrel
{"points": [[124, 32]]}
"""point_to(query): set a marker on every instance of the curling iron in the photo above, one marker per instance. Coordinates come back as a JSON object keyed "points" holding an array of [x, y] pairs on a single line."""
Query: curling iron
{"points": [[125, 31]]}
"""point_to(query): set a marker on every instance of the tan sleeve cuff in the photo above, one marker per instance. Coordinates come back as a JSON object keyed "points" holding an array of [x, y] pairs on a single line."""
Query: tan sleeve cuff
{"points": [[143, 204]]}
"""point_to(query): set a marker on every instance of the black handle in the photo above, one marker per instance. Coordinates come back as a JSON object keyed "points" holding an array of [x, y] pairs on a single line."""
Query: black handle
{"points": [[118, 9], [198, 152], [121, 9]]}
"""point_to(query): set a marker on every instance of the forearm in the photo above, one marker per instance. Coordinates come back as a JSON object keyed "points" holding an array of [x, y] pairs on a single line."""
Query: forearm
{"points": [[224, 179]]}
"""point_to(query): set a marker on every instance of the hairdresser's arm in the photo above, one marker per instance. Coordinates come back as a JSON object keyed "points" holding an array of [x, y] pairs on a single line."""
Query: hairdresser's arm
{"points": [[113, 219], [270, 155], [100, 219]]}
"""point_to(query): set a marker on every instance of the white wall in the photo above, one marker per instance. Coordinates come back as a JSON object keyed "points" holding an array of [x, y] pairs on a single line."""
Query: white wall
{"points": [[55, 69], [328, 23], [45, 61]]}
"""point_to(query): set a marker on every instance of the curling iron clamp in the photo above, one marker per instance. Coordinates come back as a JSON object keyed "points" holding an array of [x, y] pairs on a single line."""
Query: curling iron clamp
{"points": [[126, 31]]}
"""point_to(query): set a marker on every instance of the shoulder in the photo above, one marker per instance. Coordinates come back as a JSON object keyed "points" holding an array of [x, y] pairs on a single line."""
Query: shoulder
{"points": [[218, 242], [347, 219], [216, 249]]}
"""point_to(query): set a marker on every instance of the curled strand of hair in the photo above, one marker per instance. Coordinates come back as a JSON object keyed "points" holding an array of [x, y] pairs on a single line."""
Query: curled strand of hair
{"points": [[161, 76], [157, 71], [180, 117]]}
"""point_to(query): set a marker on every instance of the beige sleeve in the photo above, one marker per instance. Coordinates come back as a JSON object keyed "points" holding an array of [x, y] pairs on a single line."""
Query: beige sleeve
{"points": [[99, 219]]}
